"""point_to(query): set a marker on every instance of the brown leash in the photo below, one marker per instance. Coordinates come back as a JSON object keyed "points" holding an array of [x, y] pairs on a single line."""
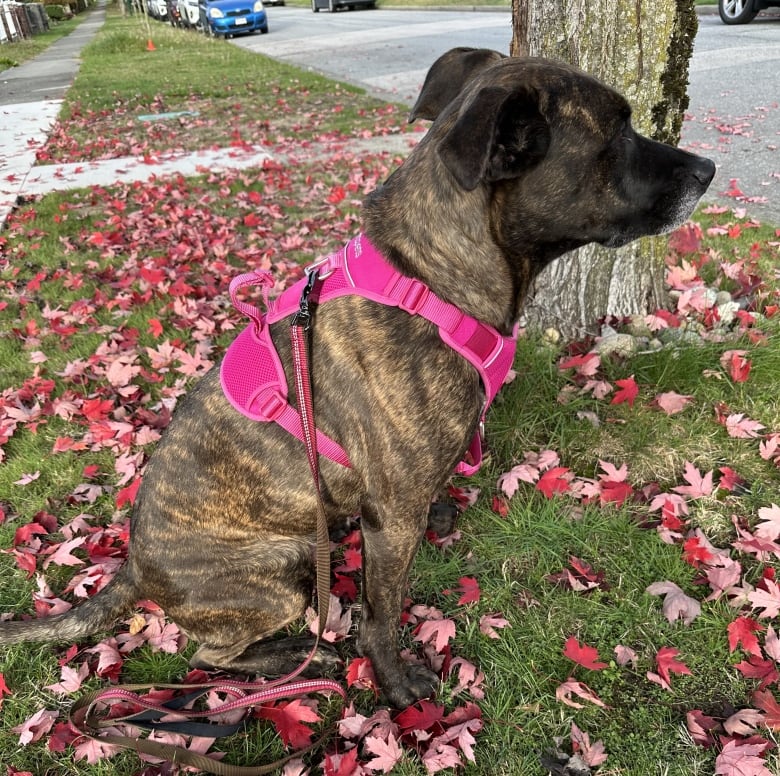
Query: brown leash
{"points": [[85, 719]]}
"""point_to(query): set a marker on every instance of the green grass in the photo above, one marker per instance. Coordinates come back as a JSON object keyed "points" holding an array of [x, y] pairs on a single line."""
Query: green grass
{"points": [[14, 54], [231, 97]]}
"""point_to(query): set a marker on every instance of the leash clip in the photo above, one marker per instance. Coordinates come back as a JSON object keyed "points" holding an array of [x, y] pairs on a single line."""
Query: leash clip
{"points": [[303, 316]]}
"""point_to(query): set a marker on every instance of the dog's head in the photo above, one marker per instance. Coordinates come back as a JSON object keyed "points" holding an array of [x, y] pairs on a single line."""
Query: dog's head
{"points": [[557, 147]]}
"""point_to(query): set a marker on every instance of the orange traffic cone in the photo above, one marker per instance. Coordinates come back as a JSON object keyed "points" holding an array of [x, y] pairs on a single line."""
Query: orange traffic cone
{"points": [[150, 45]]}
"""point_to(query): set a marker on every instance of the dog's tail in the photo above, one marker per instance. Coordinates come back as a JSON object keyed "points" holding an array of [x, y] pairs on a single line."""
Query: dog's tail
{"points": [[93, 615]]}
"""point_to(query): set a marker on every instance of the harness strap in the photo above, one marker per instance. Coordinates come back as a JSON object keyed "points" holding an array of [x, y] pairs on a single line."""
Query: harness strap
{"points": [[253, 379]]}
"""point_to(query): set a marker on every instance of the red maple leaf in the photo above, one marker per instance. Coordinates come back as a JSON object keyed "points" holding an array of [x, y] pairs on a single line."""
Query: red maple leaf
{"points": [[686, 239], [582, 654], [337, 194], [615, 492], [469, 587], [571, 687], [360, 672], [288, 718], [437, 632], [742, 631], [155, 328], [699, 726], [24, 532], [765, 701], [737, 365], [766, 596], [741, 427], [629, 390], [127, 495], [344, 587], [729, 480], [695, 553], [699, 485], [667, 664], [769, 528], [554, 481], [97, 408], [3, 689], [342, 764], [388, 752], [672, 403], [741, 759], [756, 667], [424, 715]]}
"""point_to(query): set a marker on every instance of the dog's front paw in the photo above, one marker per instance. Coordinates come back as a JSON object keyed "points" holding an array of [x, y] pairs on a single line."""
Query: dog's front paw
{"points": [[414, 684]]}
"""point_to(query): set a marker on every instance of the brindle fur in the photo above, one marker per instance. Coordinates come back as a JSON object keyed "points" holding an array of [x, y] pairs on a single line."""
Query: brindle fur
{"points": [[526, 159]]}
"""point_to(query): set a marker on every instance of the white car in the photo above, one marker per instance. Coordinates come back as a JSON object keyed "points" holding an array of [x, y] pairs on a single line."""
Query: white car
{"points": [[189, 13], [157, 9]]}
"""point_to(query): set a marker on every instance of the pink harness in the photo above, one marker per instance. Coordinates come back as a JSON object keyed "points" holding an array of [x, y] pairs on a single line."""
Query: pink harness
{"points": [[252, 376]]}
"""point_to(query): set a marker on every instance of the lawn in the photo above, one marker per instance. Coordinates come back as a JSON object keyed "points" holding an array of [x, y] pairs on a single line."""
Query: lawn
{"points": [[609, 601], [13, 54]]}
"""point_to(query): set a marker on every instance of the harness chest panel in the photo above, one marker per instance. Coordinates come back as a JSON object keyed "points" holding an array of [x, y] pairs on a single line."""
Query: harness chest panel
{"points": [[252, 376]]}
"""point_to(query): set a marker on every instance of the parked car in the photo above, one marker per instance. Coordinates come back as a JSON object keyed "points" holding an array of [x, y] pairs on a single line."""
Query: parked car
{"points": [[157, 9], [273, 2], [741, 11], [173, 13], [232, 17], [189, 13], [335, 5]]}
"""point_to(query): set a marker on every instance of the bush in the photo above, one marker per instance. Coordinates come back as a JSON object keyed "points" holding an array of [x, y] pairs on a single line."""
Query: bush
{"points": [[58, 12]]}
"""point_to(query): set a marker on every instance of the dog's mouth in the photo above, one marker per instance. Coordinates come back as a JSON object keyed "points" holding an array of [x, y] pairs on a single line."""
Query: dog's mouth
{"points": [[668, 212]]}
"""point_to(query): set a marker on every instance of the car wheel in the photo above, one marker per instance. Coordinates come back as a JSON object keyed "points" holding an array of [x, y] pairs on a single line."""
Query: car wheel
{"points": [[264, 30], [736, 11]]}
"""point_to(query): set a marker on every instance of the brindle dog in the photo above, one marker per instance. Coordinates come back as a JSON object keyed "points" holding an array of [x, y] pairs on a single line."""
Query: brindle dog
{"points": [[526, 159]]}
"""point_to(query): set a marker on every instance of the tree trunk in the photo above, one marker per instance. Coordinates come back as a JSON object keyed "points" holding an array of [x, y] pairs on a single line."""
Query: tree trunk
{"points": [[642, 48]]}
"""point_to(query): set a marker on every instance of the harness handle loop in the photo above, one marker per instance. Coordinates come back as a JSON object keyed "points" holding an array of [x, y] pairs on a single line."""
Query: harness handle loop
{"points": [[261, 278]]}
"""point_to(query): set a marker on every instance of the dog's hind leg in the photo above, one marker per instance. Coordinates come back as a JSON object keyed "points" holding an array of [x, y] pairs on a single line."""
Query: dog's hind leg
{"points": [[269, 658], [234, 610]]}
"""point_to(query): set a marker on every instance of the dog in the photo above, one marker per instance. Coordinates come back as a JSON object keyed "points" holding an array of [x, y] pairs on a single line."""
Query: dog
{"points": [[525, 160]]}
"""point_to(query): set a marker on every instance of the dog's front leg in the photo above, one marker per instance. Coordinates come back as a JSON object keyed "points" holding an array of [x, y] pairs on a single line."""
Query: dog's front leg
{"points": [[390, 541]]}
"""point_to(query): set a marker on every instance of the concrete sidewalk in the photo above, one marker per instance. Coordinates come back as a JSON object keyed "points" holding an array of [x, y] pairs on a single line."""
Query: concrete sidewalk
{"points": [[25, 126]]}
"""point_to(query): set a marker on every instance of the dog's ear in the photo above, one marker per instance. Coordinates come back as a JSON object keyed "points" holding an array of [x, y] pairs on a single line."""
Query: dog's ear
{"points": [[447, 76], [498, 134]]}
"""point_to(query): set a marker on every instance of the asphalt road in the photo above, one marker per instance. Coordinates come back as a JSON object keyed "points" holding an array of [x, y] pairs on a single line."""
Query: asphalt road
{"points": [[734, 114]]}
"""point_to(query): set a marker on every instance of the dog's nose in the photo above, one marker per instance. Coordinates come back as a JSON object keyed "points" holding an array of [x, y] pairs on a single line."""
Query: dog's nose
{"points": [[703, 170]]}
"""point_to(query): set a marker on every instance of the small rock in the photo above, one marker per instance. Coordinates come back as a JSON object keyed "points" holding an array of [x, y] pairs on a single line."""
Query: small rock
{"points": [[638, 327], [679, 337], [727, 311], [617, 344]]}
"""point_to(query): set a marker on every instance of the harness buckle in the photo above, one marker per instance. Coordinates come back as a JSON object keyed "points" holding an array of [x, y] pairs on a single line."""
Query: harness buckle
{"points": [[414, 297], [272, 405]]}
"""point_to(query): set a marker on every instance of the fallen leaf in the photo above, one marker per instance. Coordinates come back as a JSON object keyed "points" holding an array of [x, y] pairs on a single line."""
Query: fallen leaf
{"points": [[628, 392], [570, 687], [582, 654], [677, 605]]}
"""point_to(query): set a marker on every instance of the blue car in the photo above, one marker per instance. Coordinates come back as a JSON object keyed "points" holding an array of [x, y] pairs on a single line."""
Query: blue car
{"points": [[232, 17]]}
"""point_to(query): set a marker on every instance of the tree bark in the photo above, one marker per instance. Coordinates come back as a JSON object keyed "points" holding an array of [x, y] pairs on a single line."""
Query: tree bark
{"points": [[641, 48]]}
